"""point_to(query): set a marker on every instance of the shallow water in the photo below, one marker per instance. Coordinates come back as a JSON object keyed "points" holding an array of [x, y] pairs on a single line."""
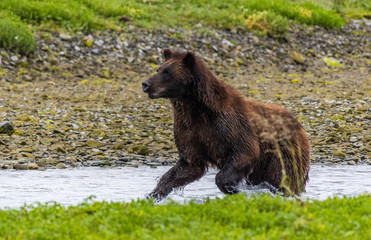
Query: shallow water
{"points": [[73, 186]]}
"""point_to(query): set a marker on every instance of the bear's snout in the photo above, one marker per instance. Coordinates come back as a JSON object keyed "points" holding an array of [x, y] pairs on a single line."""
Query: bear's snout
{"points": [[145, 86]]}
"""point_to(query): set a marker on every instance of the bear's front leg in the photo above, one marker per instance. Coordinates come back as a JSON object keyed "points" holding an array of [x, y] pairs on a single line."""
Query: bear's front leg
{"points": [[228, 178], [180, 175]]}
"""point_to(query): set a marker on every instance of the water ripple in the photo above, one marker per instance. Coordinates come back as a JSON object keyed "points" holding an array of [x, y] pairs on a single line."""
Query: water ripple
{"points": [[72, 186]]}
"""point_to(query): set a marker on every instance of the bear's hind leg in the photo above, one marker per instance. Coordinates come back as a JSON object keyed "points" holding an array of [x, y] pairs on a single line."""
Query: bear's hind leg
{"points": [[273, 172]]}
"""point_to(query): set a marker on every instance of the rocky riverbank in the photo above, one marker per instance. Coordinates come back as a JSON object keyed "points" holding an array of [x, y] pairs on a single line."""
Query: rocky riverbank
{"points": [[77, 100]]}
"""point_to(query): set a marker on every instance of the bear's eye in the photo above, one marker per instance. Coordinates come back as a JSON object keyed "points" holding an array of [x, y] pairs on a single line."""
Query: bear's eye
{"points": [[166, 71]]}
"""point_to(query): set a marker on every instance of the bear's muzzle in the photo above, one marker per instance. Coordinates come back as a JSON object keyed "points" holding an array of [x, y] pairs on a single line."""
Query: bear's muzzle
{"points": [[145, 86]]}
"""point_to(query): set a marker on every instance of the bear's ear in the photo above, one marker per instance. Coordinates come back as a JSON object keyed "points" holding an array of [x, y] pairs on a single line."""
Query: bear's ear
{"points": [[189, 59], [167, 54]]}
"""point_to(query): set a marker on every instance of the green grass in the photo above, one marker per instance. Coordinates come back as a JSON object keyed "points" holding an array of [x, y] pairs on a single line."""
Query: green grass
{"points": [[97, 14], [234, 217], [307, 12], [269, 23], [266, 16], [69, 14], [349, 8]]}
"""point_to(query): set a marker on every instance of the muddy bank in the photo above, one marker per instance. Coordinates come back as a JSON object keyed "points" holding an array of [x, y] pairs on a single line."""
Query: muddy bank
{"points": [[77, 100]]}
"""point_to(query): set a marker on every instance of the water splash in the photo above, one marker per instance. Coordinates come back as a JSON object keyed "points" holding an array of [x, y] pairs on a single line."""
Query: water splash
{"points": [[74, 186]]}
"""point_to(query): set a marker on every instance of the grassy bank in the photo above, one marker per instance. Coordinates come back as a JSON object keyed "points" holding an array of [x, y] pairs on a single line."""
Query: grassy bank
{"points": [[263, 16], [234, 217]]}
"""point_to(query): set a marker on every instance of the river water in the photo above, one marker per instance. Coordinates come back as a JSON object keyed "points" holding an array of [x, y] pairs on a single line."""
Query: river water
{"points": [[73, 186]]}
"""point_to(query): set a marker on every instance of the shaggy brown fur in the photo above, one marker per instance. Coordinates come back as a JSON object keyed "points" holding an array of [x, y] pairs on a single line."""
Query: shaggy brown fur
{"points": [[214, 125]]}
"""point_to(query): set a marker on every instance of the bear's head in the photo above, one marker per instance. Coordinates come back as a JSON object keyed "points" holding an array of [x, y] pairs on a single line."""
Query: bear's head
{"points": [[173, 77]]}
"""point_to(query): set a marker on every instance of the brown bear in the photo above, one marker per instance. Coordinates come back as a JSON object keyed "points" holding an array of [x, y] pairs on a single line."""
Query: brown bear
{"points": [[215, 126]]}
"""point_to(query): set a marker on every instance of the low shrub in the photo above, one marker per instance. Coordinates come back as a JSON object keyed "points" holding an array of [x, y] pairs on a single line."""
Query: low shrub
{"points": [[69, 14], [307, 12], [269, 23], [16, 36]]}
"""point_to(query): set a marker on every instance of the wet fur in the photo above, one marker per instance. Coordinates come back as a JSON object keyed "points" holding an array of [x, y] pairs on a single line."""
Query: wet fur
{"points": [[215, 126]]}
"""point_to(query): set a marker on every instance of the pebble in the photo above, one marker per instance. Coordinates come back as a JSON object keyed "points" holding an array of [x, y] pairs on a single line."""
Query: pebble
{"points": [[33, 166], [120, 162], [357, 144], [41, 163], [88, 40], [65, 37], [18, 166], [95, 51], [91, 55], [14, 58], [6, 127], [61, 166], [153, 163], [297, 57], [99, 43]]}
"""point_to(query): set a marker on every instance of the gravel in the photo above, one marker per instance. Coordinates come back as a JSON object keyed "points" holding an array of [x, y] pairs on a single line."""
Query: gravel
{"points": [[77, 100]]}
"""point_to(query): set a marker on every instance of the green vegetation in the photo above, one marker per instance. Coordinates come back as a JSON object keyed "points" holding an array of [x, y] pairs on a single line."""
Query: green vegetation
{"points": [[97, 14], [68, 14], [234, 217], [307, 12], [267, 23], [265, 16], [15, 35], [349, 8]]}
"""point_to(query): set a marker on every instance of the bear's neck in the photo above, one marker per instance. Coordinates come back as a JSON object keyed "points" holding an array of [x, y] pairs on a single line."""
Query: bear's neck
{"points": [[208, 94]]}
